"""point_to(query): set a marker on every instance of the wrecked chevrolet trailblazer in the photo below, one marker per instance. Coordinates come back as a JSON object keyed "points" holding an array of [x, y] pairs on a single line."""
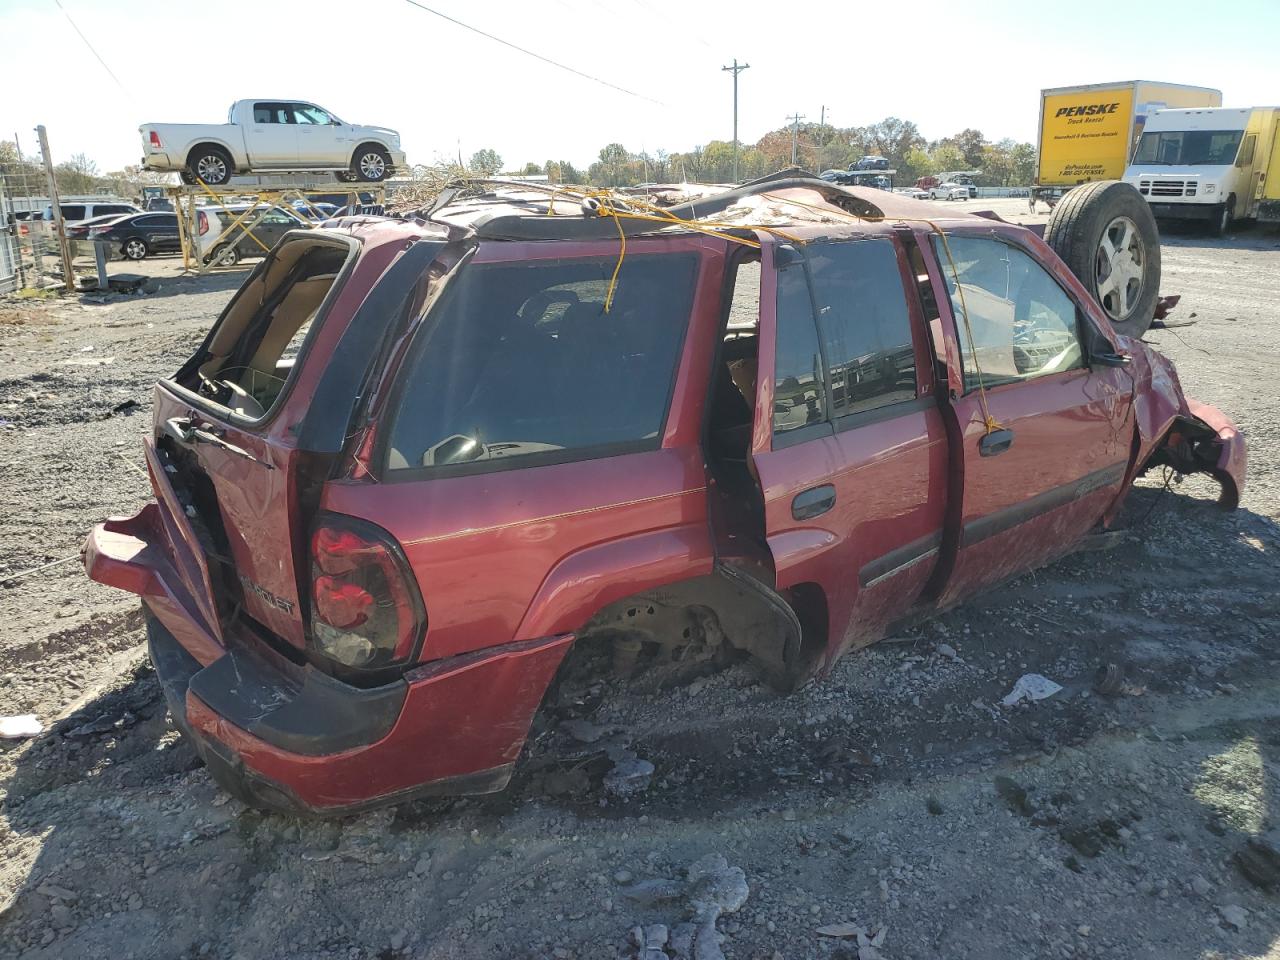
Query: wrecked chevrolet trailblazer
{"points": [[415, 461]]}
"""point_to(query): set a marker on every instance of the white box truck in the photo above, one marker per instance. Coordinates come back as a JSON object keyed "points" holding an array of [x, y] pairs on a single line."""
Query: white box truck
{"points": [[1208, 165], [1088, 132]]}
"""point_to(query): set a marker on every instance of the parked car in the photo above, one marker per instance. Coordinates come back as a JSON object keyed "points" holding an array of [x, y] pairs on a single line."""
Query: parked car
{"points": [[78, 212], [80, 231], [915, 193], [314, 211], [263, 228], [871, 163], [949, 191], [262, 136], [142, 235], [415, 462]]}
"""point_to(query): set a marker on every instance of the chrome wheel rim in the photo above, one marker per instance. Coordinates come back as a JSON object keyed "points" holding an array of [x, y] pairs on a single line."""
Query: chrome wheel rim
{"points": [[136, 249], [1120, 268], [372, 166], [211, 169]]}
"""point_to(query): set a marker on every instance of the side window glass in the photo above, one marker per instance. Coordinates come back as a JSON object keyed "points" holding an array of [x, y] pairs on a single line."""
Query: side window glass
{"points": [[865, 327], [306, 113], [1021, 324], [799, 393], [271, 113], [521, 360], [1246, 151]]}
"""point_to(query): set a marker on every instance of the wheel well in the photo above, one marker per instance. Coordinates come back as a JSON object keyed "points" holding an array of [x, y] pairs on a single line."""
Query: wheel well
{"points": [[726, 608], [809, 601], [206, 145], [370, 143]]}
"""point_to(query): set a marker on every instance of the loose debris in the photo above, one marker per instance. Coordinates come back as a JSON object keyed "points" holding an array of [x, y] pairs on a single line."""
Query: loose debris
{"points": [[1030, 686], [20, 727], [711, 888], [628, 777]]}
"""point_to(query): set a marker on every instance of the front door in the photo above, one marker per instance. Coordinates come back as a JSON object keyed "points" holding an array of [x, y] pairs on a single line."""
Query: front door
{"points": [[1042, 471], [849, 446], [321, 139]]}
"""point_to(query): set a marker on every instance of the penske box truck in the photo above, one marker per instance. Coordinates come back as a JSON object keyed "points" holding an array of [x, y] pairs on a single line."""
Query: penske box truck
{"points": [[1209, 165], [1089, 132]]}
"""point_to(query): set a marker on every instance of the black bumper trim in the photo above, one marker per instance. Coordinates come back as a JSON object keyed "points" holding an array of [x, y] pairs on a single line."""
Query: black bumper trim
{"points": [[1184, 211], [312, 715]]}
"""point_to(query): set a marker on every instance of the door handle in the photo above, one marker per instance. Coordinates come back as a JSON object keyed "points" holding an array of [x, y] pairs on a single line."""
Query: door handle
{"points": [[813, 502], [995, 442]]}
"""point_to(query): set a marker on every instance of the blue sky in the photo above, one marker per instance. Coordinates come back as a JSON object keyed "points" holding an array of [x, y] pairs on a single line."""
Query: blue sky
{"points": [[945, 65]]}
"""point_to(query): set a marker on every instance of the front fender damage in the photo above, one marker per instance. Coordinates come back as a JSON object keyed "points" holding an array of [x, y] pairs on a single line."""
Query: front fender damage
{"points": [[1175, 431]]}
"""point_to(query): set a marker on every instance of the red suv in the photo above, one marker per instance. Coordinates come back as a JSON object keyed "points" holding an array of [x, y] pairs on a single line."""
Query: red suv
{"points": [[416, 460]]}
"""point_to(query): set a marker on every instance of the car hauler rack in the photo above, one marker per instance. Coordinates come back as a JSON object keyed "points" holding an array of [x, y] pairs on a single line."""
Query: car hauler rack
{"points": [[297, 195]]}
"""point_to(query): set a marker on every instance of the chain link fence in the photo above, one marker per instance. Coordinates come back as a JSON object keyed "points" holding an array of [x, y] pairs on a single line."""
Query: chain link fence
{"points": [[28, 250]]}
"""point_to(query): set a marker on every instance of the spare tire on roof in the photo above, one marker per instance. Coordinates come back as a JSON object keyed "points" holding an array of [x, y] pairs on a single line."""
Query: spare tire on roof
{"points": [[1105, 232]]}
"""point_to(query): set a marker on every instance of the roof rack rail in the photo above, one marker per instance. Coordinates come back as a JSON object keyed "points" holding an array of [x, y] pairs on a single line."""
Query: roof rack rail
{"points": [[502, 225]]}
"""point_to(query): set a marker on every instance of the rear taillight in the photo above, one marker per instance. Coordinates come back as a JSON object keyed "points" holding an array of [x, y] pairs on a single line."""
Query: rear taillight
{"points": [[95, 231], [155, 140], [366, 611], [202, 219]]}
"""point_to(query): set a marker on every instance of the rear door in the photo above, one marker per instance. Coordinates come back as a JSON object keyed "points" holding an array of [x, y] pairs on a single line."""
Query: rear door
{"points": [[161, 231], [849, 446], [272, 138], [1057, 448]]}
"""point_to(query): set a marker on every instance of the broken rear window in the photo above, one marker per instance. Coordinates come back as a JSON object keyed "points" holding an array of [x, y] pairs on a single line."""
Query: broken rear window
{"points": [[250, 354], [520, 363]]}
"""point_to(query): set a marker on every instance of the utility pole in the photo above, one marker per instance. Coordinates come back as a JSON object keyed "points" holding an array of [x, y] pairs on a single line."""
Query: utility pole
{"points": [[795, 137], [68, 278], [736, 69], [822, 115]]}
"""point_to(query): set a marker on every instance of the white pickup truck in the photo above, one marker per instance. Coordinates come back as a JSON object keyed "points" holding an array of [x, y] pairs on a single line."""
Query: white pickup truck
{"points": [[271, 135]]}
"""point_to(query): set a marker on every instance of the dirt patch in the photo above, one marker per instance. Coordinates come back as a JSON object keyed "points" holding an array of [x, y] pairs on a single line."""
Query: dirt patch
{"points": [[897, 794]]}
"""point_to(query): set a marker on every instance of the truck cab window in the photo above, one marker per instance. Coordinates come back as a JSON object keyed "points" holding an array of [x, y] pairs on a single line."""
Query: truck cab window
{"points": [[1246, 151], [308, 113], [272, 113]]}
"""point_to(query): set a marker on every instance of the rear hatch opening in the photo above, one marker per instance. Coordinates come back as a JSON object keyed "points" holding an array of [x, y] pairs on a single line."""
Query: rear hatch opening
{"points": [[239, 478], [246, 362]]}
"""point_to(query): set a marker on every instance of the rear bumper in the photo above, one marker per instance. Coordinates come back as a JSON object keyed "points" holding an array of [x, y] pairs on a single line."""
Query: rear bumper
{"points": [[289, 737], [159, 161]]}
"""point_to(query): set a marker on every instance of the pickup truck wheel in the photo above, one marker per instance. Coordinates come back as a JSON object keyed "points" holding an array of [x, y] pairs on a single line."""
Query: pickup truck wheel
{"points": [[134, 249], [211, 165], [371, 164], [1106, 234]]}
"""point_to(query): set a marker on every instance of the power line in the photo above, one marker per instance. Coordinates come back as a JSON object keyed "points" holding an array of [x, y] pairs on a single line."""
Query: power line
{"points": [[528, 53], [91, 50]]}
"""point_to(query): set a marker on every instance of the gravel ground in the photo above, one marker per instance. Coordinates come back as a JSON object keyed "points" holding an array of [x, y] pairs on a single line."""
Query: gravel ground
{"points": [[896, 796]]}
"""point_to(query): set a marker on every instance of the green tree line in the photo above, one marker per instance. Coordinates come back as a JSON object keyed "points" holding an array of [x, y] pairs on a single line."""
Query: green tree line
{"points": [[818, 147]]}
